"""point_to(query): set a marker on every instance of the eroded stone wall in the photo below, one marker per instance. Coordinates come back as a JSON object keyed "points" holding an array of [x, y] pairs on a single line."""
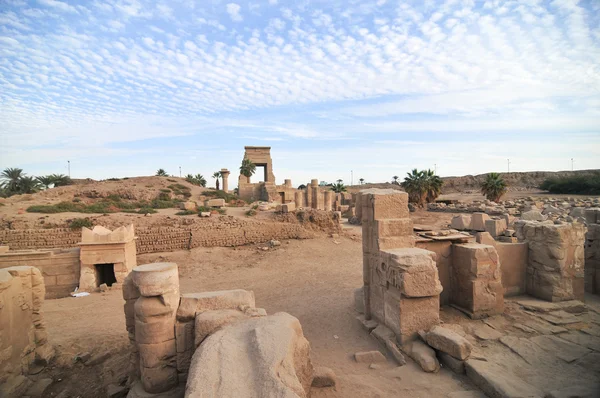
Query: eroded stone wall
{"points": [[23, 339]]}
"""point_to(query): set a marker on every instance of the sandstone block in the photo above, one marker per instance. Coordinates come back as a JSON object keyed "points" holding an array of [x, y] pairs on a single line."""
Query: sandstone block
{"points": [[413, 270], [155, 330], [456, 365], [478, 221], [369, 357], [394, 227], [184, 336], [406, 316], [495, 227], [159, 354], [215, 203], [159, 379], [379, 204], [288, 207], [257, 357], [423, 355], [448, 341], [208, 322], [533, 215], [156, 307], [192, 303], [156, 279], [592, 215], [461, 222]]}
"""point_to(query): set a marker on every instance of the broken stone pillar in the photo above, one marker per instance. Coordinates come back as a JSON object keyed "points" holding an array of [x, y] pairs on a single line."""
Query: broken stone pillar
{"points": [[555, 271], [225, 175], [476, 280], [327, 197], [405, 291], [154, 323], [298, 199], [385, 225]]}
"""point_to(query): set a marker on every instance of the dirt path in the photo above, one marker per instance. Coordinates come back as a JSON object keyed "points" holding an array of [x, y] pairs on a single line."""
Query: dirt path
{"points": [[313, 280]]}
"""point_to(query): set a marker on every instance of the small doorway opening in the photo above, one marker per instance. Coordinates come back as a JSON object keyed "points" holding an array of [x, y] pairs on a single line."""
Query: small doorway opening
{"points": [[282, 195], [105, 274]]}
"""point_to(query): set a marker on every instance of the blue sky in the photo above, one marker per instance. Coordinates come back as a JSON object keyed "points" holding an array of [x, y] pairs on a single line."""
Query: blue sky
{"points": [[125, 87]]}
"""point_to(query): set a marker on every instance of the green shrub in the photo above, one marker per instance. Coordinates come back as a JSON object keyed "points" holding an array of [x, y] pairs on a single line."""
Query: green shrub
{"points": [[143, 210], [171, 180], [203, 209], [251, 213], [163, 196], [221, 195], [167, 190], [78, 223], [186, 213], [222, 211], [162, 204], [113, 179], [575, 185], [76, 200]]}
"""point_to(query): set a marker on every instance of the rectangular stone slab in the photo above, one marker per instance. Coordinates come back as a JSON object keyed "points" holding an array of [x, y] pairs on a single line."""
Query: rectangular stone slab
{"points": [[563, 349]]}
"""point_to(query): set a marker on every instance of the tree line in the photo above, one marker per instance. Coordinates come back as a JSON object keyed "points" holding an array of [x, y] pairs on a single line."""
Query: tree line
{"points": [[13, 181]]}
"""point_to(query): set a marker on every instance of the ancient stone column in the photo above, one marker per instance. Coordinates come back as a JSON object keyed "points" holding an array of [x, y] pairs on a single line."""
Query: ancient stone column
{"points": [[288, 183], [298, 199], [327, 197], [154, 313], [225, 174]]}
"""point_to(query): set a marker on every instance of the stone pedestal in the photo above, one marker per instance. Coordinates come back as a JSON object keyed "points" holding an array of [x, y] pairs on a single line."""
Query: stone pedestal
{"points": [[327, 197], [476, 280]]}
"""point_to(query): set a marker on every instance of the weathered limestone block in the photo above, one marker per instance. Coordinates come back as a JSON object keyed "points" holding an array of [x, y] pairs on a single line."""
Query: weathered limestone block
{"points": [[193, 303], [448, 341], [495, 227], [158, 354], [412, 270], [156, 279], [288, 207], [478, 221], [555, 270], [462, 222], [187, 206], [533, 215], [208, 322], [155, 319], [422, 354], [379, 204], [476, 280], [215, 203], [592, 215], [406, 316], [257, 357]]}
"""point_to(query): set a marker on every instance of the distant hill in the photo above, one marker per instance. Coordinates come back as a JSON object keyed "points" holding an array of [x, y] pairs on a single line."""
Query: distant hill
{"points": [[525, 181]]}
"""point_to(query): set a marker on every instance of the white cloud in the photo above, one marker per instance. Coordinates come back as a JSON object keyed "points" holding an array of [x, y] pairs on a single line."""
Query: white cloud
{"points": [[58, 5], [233, 10]]}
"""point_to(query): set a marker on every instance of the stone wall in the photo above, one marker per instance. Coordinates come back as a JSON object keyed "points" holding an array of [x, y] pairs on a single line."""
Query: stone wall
{"points": [[234, 232], [513, 259], [59, 267], [555, 270], [23, 332], [443, 260], [592, 251]]}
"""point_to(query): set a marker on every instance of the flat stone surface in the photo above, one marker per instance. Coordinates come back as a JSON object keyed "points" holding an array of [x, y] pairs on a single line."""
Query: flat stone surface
{"points": [[39, 387], [484, 332], [526, 349], [498, 382], [456, 365], [590, 362], [367, 325], [543, 327], [467, 394], [446, 340], [560, 318], [582, 339], [591, 390], [532, 304], [563, 349]]}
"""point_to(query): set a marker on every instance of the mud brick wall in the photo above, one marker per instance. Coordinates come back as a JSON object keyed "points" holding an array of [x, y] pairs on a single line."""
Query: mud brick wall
{"points": [[204, 233], [152, 240], [59, 267], [21, 239]]}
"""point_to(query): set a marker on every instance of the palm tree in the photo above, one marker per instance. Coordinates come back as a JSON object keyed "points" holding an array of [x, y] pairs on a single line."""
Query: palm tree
{"points": [[45, 181], [28, 185], [161, 173], [433, 186], [361, 180], [10, 179], [247, 168], [338, 187], [200, 180], [61, 180], [395, 180], [493, 187], [422, 186], [217, 175]]}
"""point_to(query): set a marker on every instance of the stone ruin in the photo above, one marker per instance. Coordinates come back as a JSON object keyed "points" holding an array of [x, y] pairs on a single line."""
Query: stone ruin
{"points": [[106, 257], [24, 342], [289, 198], [210, 344], [401, 299]]}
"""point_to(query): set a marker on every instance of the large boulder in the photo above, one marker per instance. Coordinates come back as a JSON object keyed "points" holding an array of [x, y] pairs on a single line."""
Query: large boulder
{"points": [[533, 215], [258, 357]]}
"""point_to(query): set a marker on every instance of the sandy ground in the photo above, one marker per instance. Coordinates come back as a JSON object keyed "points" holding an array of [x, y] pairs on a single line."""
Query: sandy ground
{"points": [[312, 279]]}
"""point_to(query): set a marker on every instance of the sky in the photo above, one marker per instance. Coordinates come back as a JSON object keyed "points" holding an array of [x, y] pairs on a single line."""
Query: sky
{"points": [[339, 89]]}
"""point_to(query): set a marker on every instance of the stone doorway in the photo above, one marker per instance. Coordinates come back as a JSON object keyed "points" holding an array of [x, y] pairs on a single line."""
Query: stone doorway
{"points": [[105, 273]]}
